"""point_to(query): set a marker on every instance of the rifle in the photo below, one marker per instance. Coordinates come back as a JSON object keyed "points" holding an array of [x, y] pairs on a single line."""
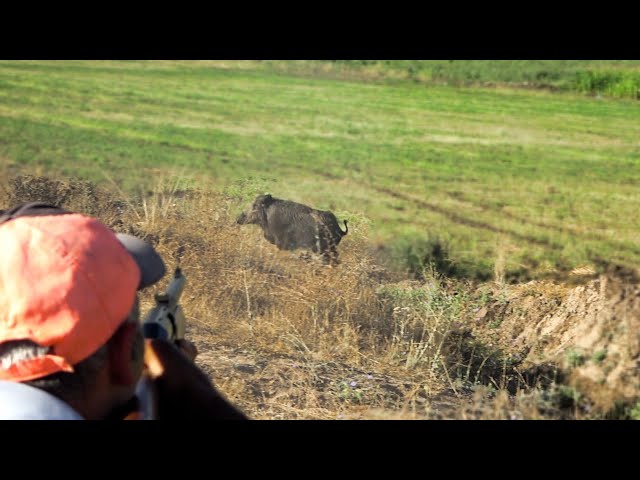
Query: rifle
{"points": [[165, 321]]}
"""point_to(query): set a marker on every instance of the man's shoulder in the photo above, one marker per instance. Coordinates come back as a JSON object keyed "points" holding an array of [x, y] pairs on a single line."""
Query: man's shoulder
{"points": [[23, 402]]}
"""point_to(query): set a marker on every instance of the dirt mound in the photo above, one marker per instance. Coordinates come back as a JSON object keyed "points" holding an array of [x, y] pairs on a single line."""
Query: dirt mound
{"points": [[591, 332]]}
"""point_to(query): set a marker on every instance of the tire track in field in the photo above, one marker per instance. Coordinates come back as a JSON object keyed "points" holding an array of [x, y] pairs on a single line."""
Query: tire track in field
{"points": [[449, 214], [459, 219], [462, 220], [572, 231]]}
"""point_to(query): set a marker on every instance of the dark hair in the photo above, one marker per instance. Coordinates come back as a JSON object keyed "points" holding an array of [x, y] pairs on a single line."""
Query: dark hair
{"points": [[30, 209]]}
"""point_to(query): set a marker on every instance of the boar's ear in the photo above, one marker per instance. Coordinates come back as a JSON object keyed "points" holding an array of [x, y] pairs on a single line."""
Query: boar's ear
{"points": [[267, 199]]}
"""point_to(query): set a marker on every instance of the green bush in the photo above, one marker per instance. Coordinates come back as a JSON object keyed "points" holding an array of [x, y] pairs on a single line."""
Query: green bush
{"points": [[612, 83], [421, 255]]}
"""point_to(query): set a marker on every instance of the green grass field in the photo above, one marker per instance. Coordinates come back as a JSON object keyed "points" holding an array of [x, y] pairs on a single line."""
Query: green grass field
{"points": [[513, 182]]}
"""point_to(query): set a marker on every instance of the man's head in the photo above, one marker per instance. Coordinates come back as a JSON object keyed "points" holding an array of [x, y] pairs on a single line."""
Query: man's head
{"points": [[68, 303]]}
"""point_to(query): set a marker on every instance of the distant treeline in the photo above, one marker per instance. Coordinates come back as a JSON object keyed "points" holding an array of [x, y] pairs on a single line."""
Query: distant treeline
{"points": [[616, 78]]}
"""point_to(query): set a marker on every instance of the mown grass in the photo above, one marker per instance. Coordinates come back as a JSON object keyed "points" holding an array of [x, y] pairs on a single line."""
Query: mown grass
{"points": [[534, 181]]}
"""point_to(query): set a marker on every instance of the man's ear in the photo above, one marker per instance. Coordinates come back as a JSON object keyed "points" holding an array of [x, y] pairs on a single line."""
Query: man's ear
{"points": [[122, 367]]}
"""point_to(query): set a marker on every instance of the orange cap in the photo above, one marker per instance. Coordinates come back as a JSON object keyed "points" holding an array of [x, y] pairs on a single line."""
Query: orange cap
{"points": [[66, 281]]}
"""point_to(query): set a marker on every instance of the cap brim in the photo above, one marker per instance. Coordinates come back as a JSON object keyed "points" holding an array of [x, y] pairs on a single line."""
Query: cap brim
{"points": [[150, 263]]}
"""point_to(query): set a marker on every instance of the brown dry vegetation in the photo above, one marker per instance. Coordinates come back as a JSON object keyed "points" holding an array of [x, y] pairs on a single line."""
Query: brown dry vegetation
{"points": [[286, 337]]}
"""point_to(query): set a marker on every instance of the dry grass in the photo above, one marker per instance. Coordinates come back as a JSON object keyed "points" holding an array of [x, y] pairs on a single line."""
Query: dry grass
{"points": [[286, 337]]}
